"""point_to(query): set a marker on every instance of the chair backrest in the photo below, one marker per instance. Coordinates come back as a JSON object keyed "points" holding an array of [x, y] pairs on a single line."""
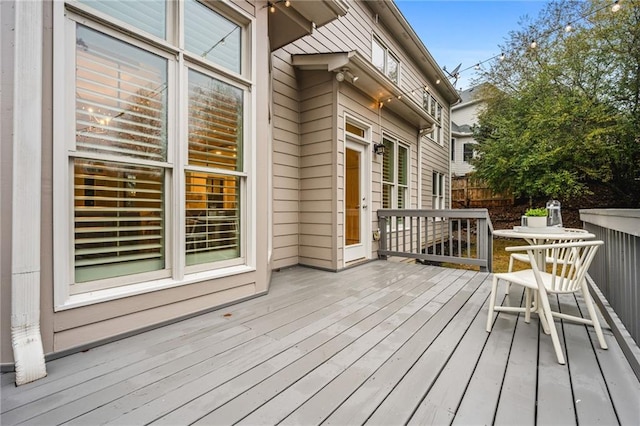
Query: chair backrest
{"points": [[567, 262], [561, 241]]}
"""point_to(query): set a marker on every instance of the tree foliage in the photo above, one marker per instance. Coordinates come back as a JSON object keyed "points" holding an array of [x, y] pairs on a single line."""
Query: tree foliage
{"points": [[566, 113]]}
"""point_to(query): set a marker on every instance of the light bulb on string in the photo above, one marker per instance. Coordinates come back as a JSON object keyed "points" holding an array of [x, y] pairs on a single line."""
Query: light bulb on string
{"points": [[438, 81], [502, 56], [272, 7], [616, 6], [477, 67], [533, 44], [287, 3], [568, 28]]}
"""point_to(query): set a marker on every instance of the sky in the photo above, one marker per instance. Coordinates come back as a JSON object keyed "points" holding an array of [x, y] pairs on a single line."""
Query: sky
{"points": [[466, 31]]}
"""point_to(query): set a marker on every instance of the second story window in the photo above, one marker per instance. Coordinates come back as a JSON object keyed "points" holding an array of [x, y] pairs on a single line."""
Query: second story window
{"points": [[383, 59], [468, 152], [433, 107]]}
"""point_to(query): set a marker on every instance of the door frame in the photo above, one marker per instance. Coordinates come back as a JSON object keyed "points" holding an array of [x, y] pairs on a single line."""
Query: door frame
{"points": [[362, 250]]}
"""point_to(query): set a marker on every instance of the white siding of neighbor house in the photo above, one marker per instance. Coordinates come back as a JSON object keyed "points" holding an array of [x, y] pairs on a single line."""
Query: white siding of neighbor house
{"points": [[313, 215], [459, 167], [464, 114]]}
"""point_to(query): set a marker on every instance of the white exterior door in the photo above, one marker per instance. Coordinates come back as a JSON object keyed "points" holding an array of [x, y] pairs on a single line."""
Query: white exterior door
{"points": [[356, 202]]}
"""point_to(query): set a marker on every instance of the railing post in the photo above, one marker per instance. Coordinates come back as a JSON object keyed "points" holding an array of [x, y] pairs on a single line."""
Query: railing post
{"points": [[482, 241], [382, 223]]}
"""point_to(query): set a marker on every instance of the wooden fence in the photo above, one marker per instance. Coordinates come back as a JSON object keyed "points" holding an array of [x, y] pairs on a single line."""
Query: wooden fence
{"points": [[467, 192]]}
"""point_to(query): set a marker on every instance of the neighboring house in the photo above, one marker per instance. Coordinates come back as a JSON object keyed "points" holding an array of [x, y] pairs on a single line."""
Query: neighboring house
{"points": [[463, 116], [162, 159]]}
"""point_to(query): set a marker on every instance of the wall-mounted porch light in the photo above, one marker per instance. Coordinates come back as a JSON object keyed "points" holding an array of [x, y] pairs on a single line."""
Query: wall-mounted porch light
{"points": [[379, 148]]}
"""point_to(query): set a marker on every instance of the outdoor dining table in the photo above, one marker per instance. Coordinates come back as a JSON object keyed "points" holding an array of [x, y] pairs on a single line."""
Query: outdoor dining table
{"points": [[538, 236]]}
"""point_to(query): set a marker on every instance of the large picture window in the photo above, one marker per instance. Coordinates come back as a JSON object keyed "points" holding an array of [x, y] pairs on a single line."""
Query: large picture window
{"points": [[148, 121]]}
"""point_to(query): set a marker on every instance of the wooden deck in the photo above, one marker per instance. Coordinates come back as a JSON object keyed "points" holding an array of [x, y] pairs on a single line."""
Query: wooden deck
{"points": [[384, 343]]}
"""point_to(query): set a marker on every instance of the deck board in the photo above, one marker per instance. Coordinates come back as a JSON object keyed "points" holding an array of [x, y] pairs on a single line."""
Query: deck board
{"points": [[382, 343]]}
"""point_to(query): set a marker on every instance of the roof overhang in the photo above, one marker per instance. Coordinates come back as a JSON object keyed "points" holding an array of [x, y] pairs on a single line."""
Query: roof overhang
{"points": [[288, 24], [370, 81]]}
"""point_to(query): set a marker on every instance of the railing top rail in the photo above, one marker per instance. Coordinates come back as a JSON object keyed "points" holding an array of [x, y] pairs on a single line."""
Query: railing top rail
{"points": [[452, 213]]}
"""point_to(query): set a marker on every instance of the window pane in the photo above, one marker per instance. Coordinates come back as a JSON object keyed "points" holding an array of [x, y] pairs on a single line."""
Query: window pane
{"points": [[403, 165], [388, 158], [119, 219], [468, 152], [354, 130], [392, 68], [212, 36], [215, 123], [377, 55], [121, 98], [402, 197], [148, 15], [434, 184], [212, 217], [386, 196]]}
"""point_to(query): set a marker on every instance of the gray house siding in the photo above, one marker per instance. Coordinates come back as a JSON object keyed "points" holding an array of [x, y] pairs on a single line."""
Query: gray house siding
{"points": [[317, 161], [286, 161], [317, 168]]}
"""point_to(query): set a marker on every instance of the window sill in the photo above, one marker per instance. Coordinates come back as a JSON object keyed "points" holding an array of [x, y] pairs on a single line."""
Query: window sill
{"points": [[106, 295]]}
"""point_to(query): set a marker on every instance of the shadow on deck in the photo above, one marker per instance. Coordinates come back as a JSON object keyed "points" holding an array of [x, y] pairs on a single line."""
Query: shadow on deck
{"points": [[383, 343]]}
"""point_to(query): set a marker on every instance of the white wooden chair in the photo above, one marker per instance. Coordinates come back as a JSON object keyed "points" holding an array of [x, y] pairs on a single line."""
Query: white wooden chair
{"points": [[522, 257], [568, 264]]}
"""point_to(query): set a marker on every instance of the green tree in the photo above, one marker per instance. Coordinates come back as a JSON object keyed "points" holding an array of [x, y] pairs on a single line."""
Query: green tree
{"points": [[566, 113]]}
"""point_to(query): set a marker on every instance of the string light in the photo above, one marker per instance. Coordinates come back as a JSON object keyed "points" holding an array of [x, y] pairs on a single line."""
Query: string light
{"points": [[287, 3], [502, 56], [616, 6], [534, 43], [272, 7]]}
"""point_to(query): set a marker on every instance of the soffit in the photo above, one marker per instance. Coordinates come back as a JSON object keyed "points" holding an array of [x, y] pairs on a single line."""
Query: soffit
{"points": [[288, 24], [370, 81]]}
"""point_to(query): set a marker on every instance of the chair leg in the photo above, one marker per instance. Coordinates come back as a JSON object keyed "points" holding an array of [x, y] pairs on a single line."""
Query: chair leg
{"points": [[544, 301], [492, 303], [527, 304], [508, 286], [593, 315]]}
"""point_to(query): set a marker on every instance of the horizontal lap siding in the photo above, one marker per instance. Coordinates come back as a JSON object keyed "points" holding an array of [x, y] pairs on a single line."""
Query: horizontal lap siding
{"points": [[286, 161], [317, 119], [312, 156]]}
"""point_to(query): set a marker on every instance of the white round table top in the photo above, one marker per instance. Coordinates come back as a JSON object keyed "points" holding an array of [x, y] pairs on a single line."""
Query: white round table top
{"points": [[543, 234]]}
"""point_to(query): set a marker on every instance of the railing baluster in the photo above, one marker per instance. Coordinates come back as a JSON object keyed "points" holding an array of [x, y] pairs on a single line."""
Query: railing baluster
{"points": [[431, 244]]}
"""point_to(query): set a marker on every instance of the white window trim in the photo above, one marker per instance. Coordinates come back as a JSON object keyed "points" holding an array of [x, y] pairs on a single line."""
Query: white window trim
{"points": [[395, 185], [63, 127], [440, 196], [387, 52], [366, 141]]}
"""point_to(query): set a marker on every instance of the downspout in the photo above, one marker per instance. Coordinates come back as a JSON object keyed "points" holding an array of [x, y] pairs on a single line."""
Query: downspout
{"points": [[26, 340], [421, 134]]}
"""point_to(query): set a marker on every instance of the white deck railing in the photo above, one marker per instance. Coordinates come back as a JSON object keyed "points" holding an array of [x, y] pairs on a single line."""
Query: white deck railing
{"points": [[462, 236]]}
